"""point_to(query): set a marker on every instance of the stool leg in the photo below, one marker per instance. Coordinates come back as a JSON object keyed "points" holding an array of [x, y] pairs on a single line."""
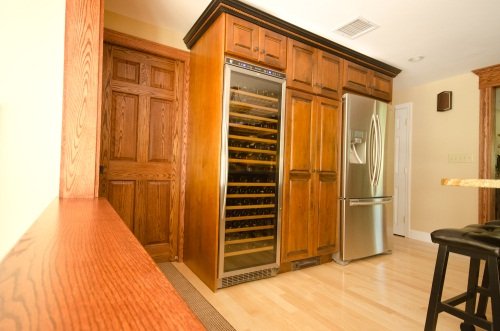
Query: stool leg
{"points": [[437, 288], [483, 298], [470, 303], [494, 288], [470, 299]]}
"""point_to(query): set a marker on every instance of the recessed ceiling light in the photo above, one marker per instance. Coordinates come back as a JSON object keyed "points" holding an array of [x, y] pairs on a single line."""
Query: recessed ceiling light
{"points": [[416, 59]]}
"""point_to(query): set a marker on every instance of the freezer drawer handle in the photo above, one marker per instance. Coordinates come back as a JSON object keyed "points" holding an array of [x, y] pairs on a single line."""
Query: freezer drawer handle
{"points": [[358, 202]]}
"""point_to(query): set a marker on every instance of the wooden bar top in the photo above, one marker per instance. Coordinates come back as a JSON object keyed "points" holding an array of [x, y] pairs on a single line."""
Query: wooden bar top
{"points": [[80, 268], [471, 182]]}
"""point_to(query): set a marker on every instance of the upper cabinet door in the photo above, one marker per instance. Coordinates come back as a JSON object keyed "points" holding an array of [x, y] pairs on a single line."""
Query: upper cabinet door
{"points": [[254, 43], [381, 86], [356, 78], [365, 81], [312, 70], [272, 48], [301, 66], [328, 75], [242, 38]]}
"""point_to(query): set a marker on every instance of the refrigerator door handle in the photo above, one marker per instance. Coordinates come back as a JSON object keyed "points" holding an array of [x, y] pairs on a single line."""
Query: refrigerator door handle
{"points": [[372, 153], [378, 164], [369, 202]]}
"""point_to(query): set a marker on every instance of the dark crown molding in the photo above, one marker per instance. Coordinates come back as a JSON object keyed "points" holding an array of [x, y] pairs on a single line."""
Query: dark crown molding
{"points": [[254, 15]]}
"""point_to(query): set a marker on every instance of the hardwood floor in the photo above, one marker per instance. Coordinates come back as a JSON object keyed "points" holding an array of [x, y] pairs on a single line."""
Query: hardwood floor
{"points": [[387, 292]]}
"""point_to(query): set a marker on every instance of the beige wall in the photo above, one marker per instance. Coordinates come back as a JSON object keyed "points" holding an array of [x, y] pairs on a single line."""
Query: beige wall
{"points": [[435, 136], [31, 83], [143, 30]]}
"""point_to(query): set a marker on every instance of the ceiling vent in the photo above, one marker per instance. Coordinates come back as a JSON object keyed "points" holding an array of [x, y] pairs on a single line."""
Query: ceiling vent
{"points": [[356, 28]]}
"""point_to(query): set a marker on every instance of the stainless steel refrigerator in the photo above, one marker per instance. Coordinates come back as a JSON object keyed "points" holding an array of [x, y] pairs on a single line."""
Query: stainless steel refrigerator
{"points": [[366, 202]]}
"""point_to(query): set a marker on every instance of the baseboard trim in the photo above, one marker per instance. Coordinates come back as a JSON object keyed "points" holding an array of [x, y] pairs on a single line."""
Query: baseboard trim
{"points": [[420, 235]]}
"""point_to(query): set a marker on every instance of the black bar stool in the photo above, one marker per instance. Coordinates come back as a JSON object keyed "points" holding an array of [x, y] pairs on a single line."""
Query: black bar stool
{"points": [[478, 242]]}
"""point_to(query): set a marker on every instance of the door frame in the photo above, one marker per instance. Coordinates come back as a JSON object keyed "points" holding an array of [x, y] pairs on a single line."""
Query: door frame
{"points": [[82, 93], [489, 79], [409, 107]]}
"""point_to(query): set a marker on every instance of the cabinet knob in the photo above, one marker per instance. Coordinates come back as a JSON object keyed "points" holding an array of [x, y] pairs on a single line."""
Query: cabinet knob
{"points": [[256, 49], [263, 51]]}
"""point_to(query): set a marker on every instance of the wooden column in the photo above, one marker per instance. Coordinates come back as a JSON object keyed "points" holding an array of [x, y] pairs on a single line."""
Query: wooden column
{"points": [[489, 79], [81, 98]]}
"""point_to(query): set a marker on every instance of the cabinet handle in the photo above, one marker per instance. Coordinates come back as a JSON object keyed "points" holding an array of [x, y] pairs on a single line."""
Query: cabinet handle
{"points": [[256, 49], [263, 51]]}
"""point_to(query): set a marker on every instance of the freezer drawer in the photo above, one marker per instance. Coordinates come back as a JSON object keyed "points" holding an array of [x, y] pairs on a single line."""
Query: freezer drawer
{"points": [[365, 227]]}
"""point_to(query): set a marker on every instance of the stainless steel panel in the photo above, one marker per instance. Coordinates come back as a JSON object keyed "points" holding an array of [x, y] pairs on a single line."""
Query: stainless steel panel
{"points": [[367, 147], [366, 227]]}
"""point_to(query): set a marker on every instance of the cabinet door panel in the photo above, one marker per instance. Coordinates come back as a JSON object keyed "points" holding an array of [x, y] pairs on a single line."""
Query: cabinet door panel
{"points": [[272, 48], [329, 68], [297, 203], [328, 116], [327, 214], [300, 131], [242, 38], [328, 119], [356, 78], [297, 222], [301, 66], [382, 86]]}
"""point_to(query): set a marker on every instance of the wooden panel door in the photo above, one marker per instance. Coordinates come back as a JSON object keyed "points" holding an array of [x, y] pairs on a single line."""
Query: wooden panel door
{"points": [[301, 66], [297, 221], [140, 145], [272, 48], [242, 38], [328, 76], [326, 193], [356, 78]]}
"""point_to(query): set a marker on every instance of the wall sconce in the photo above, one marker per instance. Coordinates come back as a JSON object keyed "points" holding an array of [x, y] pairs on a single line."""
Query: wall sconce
{"points": [[444, 101]]}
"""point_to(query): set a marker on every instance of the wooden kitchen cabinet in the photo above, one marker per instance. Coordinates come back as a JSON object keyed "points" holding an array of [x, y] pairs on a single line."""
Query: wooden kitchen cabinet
{"points": [[310, 202], [314, 67], [359, 79], [313, 70], [248, 40]]}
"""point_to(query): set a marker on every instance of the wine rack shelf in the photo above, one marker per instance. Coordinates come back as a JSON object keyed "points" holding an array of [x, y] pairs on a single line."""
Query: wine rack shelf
{"points": [[249, 220]]}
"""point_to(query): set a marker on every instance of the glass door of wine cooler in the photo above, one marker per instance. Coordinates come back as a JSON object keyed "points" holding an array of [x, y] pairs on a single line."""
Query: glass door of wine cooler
{"points": [[251, 173]]}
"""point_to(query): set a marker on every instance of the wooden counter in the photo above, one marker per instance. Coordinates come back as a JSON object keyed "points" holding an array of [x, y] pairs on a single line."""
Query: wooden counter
{"points": [[471, 182], [79, 268]]}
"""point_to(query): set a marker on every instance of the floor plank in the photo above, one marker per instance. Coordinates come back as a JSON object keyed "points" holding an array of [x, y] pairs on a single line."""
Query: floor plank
{"points": [[386, 292]]}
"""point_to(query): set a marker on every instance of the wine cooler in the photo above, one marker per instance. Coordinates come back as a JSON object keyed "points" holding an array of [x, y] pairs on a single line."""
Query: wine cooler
{"points": [[251, 172]]}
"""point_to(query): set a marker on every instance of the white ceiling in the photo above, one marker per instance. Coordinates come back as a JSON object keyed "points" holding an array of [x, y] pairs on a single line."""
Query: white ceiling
{"points": [[455, 37]]}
